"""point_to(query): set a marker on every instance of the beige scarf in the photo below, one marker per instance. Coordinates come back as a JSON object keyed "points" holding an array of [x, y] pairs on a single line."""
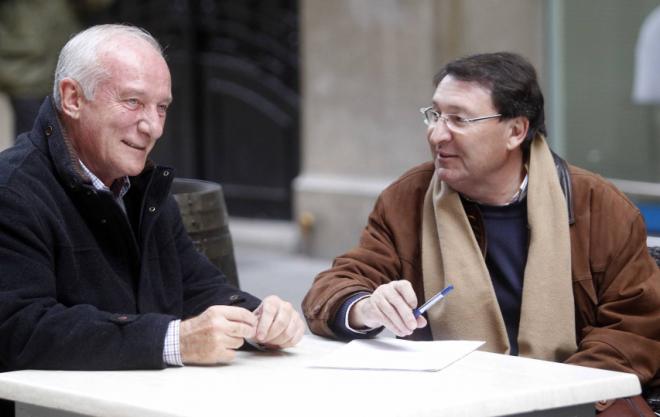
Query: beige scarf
{"points": [[451, 255]]}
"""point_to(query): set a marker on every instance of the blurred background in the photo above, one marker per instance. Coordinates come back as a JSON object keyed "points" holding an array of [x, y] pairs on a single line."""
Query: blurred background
{"points": [[305, 110]]}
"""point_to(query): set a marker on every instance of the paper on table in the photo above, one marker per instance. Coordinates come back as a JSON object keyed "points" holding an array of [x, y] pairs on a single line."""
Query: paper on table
{"points": [[397, 354]]}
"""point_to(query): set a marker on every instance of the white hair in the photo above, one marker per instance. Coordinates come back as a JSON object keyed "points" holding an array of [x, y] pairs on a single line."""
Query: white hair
{"points": [[78, 58]]}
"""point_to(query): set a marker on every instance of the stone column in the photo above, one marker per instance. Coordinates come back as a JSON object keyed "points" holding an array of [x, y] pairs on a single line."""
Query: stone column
{"points": [[6, 122], [366, 71]]}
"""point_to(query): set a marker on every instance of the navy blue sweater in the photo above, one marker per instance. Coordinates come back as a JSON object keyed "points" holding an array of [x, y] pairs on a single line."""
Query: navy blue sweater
{"points": [[507, 241]]}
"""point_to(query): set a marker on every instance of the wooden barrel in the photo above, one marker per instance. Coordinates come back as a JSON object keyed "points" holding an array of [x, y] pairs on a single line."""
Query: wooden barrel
{"points": [[205, 218]]}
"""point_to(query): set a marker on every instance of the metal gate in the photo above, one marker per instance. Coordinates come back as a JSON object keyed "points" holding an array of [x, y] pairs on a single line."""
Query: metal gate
{"points": [[235, 114]]}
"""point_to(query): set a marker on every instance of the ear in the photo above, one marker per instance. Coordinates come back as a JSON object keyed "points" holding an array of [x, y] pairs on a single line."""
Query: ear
{"points": [[71, 96], [517, 131]]}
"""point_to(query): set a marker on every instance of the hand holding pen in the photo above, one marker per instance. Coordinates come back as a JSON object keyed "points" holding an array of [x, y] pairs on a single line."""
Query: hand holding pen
{"points": [[391, 305], [431, 301]]}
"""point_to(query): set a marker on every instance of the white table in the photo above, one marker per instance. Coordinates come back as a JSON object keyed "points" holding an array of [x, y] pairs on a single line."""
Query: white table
{"points": [[283, 384]]}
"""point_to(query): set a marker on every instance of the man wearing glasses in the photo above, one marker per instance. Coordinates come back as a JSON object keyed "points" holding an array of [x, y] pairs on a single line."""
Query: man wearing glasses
{"points": [[547, 260]]}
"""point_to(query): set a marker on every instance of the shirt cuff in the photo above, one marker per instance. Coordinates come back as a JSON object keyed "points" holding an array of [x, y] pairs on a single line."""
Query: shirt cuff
{"points": [[349, 305], [171, 349], [340, 323]]}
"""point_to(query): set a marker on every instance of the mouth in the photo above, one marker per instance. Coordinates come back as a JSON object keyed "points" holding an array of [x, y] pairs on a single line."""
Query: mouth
{"points": [[134, 145], [444, 155]]}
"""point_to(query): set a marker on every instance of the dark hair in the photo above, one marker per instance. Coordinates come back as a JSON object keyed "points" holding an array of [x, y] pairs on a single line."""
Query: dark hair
{"points": [[512, 81]]}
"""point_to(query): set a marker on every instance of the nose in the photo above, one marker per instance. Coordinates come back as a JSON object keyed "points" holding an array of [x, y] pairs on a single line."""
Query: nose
{"points": [[151, 123], [438, 133]]}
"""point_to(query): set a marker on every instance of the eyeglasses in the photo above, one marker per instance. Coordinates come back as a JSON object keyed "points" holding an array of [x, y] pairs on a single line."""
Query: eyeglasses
{"points": [[454, 122]]}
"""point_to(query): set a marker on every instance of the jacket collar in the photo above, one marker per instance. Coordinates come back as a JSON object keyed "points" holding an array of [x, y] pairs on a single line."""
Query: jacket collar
{"points": [[565, 183]]}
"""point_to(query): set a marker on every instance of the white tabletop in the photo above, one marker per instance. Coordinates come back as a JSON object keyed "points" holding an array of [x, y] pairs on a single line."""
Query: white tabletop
{"points": [[283, 383]]}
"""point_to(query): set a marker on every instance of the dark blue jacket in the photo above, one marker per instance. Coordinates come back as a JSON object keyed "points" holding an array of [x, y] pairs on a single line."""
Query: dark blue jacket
{"points": [[81, 285]]}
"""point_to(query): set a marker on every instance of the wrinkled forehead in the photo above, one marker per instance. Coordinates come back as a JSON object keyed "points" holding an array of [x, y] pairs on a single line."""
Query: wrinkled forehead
{"points": [[136, 72], [133, 58], [128, 47]]}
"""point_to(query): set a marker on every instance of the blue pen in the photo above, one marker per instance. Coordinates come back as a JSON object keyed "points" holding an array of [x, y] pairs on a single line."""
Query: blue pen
{"points": [[439, 296]]}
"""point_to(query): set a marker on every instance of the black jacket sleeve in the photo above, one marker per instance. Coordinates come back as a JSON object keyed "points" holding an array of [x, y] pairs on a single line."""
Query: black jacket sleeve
{"points": [[204, 284]]}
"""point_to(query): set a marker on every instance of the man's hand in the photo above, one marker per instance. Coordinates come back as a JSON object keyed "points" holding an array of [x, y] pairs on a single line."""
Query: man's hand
{"points": [[280, 325], [213, 336], [390, 306]]}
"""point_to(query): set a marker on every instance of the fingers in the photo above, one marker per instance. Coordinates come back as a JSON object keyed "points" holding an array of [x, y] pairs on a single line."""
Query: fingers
{"points": [[390, 317], [288, 338], [405, 290], [239, 331], [404, 309], [391, 306], [279, 324], [236, 314], [211, 337]]}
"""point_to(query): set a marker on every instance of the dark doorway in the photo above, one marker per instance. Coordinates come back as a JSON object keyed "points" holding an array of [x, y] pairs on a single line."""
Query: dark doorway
{"points": [[235, 115]]}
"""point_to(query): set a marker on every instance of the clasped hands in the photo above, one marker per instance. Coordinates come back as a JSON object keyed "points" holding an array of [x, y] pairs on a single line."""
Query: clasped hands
{"points": [[213, 336], [390, 305]]}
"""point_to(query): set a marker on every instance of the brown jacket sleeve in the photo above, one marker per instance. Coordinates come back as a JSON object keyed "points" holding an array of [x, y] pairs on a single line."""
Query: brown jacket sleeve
{"points": [[372, 263], [388, 250]]}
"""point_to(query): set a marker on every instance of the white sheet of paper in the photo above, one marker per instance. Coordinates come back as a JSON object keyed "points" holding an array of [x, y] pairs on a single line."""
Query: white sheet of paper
{"points": [[397, 354]]}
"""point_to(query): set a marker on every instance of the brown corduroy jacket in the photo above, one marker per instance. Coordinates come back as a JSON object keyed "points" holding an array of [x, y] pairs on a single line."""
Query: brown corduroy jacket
{"points": [[616, 284]]}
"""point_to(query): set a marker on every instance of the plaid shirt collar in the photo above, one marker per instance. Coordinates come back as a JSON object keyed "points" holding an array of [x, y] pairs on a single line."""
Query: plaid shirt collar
{"points": [[119, 187]]}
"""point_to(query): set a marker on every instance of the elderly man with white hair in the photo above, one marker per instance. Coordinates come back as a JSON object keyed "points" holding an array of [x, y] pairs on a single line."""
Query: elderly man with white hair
{"points": [[97, 271]]}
